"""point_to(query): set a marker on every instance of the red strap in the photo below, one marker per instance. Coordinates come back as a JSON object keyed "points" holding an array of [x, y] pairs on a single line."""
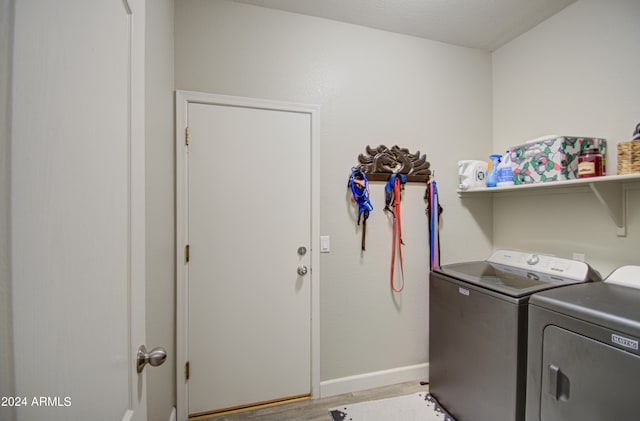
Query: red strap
{"points": [[397, 236]]}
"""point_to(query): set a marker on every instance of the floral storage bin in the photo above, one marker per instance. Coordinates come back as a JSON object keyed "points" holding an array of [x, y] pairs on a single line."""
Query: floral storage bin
{"points": [[551, 159]]}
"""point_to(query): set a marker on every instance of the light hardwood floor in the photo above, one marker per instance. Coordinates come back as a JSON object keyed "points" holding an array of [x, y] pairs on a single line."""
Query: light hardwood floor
{"points": [[318, 409]]}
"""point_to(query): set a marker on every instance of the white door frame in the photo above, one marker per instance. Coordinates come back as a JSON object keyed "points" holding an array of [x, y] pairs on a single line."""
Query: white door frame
{"points": [[183, 98], [137, 283]]}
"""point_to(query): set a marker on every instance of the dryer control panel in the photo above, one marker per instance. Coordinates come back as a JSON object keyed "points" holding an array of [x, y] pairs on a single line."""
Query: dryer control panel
{"points": [[628, 276]]}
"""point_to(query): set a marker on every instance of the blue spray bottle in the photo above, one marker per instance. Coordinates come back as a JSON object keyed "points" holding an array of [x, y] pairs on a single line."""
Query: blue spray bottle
{"points": [[492, 177]]}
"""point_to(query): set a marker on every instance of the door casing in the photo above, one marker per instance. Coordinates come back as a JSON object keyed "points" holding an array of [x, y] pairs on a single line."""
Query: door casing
{"points": [[183, 98]]}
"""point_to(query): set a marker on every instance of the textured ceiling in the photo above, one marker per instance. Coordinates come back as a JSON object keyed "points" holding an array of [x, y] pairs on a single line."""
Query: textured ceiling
{"points": [[483, 24]]}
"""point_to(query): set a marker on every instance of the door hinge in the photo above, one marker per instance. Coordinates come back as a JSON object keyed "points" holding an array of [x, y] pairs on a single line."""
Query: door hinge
{"points": [[186, 253], [186, 370], [186, 136]]}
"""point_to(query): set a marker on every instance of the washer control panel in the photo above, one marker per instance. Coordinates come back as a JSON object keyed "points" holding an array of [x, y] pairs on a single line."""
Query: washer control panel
{"points": [[560, 267]]}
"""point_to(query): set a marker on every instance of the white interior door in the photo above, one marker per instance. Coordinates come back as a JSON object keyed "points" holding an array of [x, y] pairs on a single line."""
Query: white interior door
{"points": [[249, 213], [77, 209]]}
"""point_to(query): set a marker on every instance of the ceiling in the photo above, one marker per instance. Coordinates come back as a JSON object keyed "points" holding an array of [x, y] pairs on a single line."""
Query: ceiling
{"points": [[483, 24]]}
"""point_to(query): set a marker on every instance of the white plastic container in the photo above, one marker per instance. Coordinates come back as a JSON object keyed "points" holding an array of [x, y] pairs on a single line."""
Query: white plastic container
{"points": [[471, 173]]}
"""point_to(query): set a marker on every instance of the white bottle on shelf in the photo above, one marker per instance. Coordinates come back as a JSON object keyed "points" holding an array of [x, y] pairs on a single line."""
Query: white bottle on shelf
{"points": [[505, 171]]}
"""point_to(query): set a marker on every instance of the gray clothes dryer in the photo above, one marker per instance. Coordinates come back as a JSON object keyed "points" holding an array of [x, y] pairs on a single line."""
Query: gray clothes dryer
{"points": [[583, 358]]}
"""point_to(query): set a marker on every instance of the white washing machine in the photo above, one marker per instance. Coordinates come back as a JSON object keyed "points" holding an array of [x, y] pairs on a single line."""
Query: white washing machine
{"points": [[583, 354]]}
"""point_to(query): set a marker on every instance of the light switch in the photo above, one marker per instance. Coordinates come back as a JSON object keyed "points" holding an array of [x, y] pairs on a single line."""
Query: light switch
{"points": [[325, 244]]}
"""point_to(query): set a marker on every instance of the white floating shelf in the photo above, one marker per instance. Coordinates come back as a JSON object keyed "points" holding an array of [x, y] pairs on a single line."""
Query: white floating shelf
{"points": [[610, 190]]}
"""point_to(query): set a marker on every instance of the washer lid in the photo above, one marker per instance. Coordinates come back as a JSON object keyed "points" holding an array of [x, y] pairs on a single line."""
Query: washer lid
{"points": [[518, 274], [508, 280]]}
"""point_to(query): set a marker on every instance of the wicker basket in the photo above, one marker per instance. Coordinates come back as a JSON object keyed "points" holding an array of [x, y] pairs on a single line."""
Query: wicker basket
{"points": [[629, 157]]}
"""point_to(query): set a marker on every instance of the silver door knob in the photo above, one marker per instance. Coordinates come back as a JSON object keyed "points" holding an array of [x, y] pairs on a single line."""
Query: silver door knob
{"points": [[156, 357], [302, 270]]}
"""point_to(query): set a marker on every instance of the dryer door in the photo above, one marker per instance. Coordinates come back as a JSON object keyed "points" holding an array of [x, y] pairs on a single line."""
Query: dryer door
{"points": [[587, 380]]}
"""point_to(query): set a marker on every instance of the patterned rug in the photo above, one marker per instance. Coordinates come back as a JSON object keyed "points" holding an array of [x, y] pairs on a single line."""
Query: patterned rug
{"points": [[420, 406]]}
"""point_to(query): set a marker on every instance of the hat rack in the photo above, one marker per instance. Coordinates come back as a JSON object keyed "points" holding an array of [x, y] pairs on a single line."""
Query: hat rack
{"points": [[379, 163]]}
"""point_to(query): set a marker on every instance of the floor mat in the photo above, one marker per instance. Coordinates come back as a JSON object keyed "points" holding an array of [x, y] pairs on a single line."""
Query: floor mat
{"points": [[420, 406]]}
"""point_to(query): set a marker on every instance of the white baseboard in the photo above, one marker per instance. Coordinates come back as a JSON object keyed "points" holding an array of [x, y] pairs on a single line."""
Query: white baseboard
{"points": [[128, 416], [419, 372]]}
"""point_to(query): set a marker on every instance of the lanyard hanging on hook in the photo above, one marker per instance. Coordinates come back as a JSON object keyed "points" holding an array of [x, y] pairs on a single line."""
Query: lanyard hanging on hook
{"points": [[434, 210], [393, 193], [359, 186]]}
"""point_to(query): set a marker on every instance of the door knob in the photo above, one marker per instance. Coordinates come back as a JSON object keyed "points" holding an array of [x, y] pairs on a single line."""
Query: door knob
{"points": [[156, 357], [302, 270]]}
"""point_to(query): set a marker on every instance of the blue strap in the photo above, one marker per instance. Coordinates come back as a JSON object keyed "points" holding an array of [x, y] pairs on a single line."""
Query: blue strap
{"points": [[388, 189], [360, 192]]}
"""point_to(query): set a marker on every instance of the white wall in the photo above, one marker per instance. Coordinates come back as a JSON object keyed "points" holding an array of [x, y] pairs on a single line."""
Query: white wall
{"points": [[6, 343], [160, 203], [574, 74], [374, 87]]}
